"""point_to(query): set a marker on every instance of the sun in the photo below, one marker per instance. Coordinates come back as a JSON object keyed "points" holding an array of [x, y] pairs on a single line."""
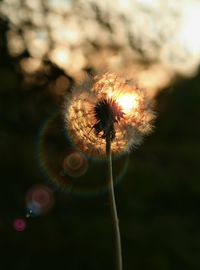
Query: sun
{"points": [[128, 102]]}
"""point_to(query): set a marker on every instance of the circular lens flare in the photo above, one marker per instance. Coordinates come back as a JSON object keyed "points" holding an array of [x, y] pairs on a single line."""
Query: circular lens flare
{"points": [[69, 171], [19, 224], [128, 102], [39, 199], [75, 164], [33, 209]]}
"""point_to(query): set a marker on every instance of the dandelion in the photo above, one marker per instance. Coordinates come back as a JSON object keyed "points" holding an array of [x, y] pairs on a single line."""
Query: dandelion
{"points": [[87, 111], [108, 117]]}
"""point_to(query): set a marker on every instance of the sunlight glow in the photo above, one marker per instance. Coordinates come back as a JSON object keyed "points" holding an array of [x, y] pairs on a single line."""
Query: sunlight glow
{"points": [[61, 56], [128, 102], [57, 30], [188, 33]]}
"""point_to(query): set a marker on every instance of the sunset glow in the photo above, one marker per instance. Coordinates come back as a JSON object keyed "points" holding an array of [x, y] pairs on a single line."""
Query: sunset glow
{"points": [[128, 102]]}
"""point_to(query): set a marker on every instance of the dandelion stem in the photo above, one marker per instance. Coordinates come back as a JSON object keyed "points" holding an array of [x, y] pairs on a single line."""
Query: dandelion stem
{"points": [[113, 208]]}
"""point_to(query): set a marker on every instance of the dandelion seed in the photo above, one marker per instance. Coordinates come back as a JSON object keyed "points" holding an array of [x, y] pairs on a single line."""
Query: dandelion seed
{"points": [[87, 110]]}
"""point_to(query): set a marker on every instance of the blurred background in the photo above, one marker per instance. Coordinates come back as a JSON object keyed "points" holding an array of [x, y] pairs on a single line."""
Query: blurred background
{"points": [[54, 211]]}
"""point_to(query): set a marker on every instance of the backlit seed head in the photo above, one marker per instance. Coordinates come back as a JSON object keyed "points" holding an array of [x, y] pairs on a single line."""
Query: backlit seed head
{"points": [[109, 106]]}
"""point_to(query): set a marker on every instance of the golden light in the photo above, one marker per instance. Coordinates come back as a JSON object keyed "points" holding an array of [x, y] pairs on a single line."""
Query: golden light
{"points": [[172, 43], [187, 34], [128, 102], [61, 56]]}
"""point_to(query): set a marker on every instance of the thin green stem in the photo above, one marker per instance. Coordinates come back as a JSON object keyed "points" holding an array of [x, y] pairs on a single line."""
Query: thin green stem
{"points": [[113, 208]]}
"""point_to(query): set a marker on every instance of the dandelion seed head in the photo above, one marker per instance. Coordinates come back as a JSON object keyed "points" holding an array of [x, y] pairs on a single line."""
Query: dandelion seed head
{"points": [[130, 112]]}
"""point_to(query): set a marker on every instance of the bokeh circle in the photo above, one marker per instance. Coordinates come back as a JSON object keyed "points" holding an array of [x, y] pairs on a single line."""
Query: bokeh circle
{"points": [[70, 170], [19, 224], [39, 200]]}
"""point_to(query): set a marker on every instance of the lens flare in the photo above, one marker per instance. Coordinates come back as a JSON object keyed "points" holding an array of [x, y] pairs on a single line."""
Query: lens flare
{"points": [[62, 170], [33, 209], [39, 199], [19, 224], [75, 164]]}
